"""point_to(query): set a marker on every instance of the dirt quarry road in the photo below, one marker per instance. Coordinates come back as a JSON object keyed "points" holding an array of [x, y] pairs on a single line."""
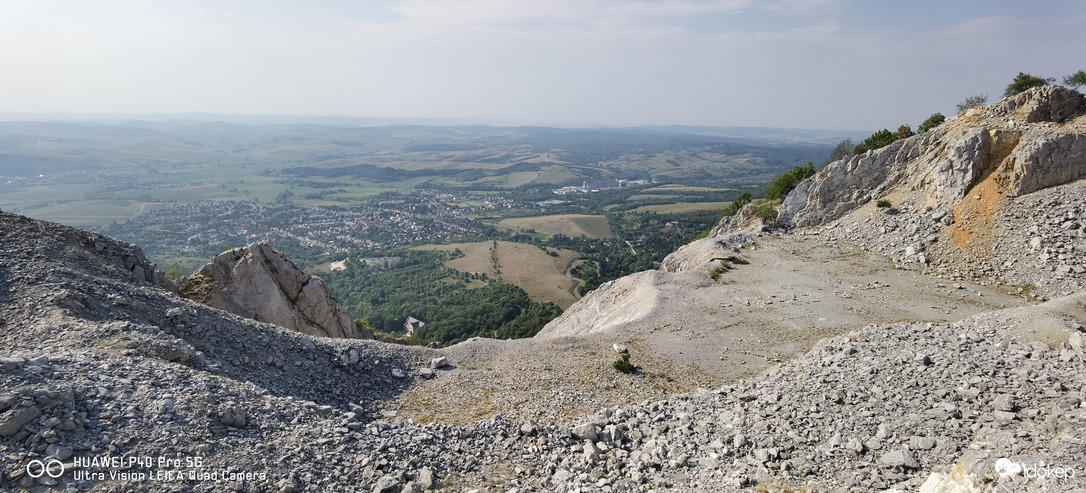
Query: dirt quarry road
{"points": [[687, 330]]}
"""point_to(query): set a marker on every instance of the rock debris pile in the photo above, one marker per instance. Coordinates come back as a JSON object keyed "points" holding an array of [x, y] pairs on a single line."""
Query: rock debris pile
{"points": [[97, 363], [1036, 242]]}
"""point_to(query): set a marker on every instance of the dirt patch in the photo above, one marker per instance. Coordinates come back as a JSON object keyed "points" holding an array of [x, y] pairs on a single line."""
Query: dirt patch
{"points": [[974, 217], [682, 207], [681, 188], [557, 380], [637, 198]]}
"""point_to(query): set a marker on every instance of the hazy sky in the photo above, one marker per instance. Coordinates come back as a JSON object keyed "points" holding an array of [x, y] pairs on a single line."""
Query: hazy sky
{"points": [[834, 64]]}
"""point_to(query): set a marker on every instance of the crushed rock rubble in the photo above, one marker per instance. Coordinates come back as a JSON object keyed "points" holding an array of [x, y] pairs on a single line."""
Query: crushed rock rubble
{"points": [[96, 365], [1045, 251], [994, 195]]}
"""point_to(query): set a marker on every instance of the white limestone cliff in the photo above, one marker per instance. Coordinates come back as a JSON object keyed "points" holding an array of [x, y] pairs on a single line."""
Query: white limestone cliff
{"points": [[1026, 143]]}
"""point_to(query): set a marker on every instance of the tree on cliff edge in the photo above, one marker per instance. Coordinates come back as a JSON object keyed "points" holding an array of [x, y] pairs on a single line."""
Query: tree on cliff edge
{"points": [[1025, 81], [842, 151], [1075, 80], [932, 122], [972, 102]]}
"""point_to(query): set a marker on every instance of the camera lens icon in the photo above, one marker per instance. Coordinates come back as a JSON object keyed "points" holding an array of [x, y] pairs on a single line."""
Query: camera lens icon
{"points": [[53, 468]]}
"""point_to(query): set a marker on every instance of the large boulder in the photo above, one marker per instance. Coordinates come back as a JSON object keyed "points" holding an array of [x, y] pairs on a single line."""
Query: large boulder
{"points": [[261, 283]]}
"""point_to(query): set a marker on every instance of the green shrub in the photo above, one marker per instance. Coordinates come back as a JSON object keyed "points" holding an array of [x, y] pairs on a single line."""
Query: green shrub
{"points": [[623, 364], [766, 210], [733, 208], [730, 210], [787, 181], [883, 204], [174, 275], [972, 102], [932, 122], [1024, 81], [725, 265], [882, 138], [721, 268]]}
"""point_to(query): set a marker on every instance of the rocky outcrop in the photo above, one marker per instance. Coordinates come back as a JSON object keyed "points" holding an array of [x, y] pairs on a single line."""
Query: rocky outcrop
{"points": [[261, 283], [132, 258], [1032, 242], [1032, 141], [995, 194]]}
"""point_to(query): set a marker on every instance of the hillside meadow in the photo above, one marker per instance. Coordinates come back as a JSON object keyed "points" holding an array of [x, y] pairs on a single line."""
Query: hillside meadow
{"points": [[592, 226], [544, 277]]}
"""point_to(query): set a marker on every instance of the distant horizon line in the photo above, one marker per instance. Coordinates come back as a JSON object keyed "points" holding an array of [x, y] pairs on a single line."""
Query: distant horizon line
{"points": [[368, 121]]}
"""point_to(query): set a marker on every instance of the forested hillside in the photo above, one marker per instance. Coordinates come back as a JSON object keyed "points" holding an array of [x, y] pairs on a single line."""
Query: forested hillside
{"points": [[456, 305]]}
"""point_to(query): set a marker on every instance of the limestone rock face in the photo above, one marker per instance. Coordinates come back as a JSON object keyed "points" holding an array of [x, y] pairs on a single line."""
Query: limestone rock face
{"points": [[260, 283], [1026, 143], [630, 299]]}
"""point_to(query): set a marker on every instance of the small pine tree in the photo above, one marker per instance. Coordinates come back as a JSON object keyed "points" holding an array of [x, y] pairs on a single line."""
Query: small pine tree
{"points": [[733, 208], [1024, 81], [842, 151], [623, 364], [932, 122]]}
